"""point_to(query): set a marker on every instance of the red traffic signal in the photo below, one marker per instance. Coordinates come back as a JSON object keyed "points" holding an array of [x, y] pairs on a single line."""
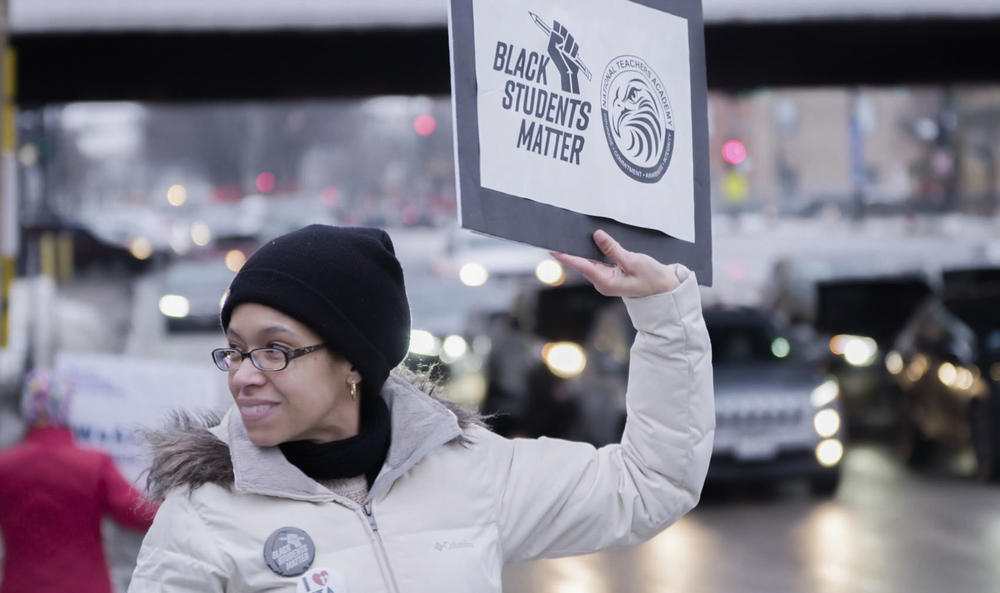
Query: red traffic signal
{"points": [[424, 125], [734, 152]]}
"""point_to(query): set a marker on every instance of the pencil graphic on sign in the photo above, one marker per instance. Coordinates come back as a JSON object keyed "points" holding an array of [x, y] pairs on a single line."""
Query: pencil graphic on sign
{"points": [[548, 32]]}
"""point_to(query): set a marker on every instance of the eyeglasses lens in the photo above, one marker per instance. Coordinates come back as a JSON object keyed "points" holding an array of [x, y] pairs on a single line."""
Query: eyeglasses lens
{"points": [[226, 358], [269, 359]]}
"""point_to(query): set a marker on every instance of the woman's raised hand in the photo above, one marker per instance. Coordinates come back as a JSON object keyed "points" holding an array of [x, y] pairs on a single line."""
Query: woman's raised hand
{"points": [[632, 275]]}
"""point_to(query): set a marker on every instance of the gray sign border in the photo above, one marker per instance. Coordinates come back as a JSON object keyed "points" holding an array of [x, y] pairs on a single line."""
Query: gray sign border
{"points": [[526, 221]]}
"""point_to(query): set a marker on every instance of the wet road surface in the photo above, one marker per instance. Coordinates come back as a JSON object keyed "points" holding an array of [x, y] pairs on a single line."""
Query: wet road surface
{"points": [[887, 530]]}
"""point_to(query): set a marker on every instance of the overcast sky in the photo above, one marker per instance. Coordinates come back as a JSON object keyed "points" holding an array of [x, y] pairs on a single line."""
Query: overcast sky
{"points": [[61, 15]]}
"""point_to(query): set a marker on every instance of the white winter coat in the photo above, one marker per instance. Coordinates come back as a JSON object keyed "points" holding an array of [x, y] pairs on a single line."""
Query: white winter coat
{"points": [[446, 513]]}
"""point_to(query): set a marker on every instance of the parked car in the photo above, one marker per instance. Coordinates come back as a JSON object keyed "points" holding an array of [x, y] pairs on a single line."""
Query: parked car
{"points": [[946, 367]]}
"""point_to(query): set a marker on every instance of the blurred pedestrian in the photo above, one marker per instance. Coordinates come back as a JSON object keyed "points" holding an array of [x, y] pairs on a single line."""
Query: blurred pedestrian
{"points": [[507, 397], [53, 495], [330, 474]]}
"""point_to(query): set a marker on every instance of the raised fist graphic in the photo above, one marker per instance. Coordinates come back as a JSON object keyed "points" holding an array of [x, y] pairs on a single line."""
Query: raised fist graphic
{"points": [[563, 49]]}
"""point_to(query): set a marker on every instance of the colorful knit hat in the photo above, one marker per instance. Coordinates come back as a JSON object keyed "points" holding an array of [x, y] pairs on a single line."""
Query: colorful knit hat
{"points": [[46, 398]]}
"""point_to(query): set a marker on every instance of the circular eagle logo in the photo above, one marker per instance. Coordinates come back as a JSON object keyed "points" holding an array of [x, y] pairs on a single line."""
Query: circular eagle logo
{"points": [[638, 120]]}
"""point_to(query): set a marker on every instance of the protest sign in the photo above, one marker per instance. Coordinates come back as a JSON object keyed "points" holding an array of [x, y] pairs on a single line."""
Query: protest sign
{"points": [[572, 115], [115, 396]]}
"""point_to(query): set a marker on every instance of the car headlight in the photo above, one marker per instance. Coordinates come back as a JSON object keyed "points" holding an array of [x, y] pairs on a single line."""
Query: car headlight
{"points": [[174, 305], [780, 347], [917, 367], [424, 343], [141, 248], [235, 259], [825, 393], [957, 377], [826, 422], [473, 274], [858, 351], [564, 359], [829, 452], [894, 362], [549, 271], [453, 347]]}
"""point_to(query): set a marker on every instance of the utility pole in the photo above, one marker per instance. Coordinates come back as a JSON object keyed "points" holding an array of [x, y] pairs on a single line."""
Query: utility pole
{"points": [[856, 151], [9, 238]]}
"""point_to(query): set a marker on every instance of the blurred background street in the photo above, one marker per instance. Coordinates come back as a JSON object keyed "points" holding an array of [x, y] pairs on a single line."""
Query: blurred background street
{"points": [[855, 312], [886, 531]]}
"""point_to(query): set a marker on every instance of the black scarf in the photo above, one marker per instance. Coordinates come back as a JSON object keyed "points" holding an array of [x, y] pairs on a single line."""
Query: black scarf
{"points": [[363, 453]]}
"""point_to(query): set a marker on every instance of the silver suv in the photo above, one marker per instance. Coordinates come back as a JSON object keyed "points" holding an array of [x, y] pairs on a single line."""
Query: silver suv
{"points": [[777, 415]]}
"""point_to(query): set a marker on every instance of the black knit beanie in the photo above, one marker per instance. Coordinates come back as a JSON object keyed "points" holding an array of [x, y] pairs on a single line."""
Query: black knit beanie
{"points": [[345, 283]]}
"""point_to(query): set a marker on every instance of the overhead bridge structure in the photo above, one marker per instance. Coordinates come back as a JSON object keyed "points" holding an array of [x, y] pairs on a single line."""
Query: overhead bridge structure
{"points": [[205, 50]]}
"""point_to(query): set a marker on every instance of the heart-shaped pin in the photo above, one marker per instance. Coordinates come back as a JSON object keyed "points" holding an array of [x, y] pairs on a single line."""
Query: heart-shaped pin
{"points": [[321, 577]]}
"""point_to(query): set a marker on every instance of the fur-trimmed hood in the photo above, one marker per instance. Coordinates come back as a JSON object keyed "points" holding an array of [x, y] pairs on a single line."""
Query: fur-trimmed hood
{"points": [[191, 450]]}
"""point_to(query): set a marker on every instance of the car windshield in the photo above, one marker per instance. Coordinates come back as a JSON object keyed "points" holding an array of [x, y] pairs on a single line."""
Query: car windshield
{"points": [[745, 340], [438, 304], [992, 340], [980, 314], [199, 273]]}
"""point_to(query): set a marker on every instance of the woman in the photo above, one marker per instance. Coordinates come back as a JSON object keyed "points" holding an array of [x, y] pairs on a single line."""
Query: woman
{"points": [[330, 475], [54, 496]]}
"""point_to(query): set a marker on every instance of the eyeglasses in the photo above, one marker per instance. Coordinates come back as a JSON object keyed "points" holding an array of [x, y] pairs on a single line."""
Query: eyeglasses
{"points": [[264, 359]]}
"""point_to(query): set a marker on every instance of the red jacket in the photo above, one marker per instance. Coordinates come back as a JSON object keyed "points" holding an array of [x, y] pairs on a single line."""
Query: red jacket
{"points": [[53, 495]]}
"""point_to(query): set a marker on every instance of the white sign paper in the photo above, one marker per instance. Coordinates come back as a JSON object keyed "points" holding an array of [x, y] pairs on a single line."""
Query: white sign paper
{"points": [[585, 105], [114, 396]]}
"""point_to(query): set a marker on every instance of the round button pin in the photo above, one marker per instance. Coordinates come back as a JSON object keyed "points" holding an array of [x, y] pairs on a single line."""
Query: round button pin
{"points": [[289, 551]]}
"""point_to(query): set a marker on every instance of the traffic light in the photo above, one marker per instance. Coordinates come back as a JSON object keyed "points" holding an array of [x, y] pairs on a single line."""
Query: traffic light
{"points": [[265, 182], [734, 152], [424, 125], [735, 185]]}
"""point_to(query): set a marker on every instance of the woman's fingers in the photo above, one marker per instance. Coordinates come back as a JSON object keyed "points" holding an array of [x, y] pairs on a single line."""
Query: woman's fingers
{"points": [[633, 274], [588, 268], [609, 246]]}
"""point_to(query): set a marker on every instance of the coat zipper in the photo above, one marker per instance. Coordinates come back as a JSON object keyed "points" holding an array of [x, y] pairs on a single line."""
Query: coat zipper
{"points": [[383, 556]]}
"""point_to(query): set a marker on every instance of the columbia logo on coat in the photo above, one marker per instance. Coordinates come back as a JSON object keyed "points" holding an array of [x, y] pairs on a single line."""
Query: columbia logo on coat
{"points": [[445, 546]]}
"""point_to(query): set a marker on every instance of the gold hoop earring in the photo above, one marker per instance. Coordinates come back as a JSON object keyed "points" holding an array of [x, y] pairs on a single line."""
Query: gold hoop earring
{"points": [[354, 392]]}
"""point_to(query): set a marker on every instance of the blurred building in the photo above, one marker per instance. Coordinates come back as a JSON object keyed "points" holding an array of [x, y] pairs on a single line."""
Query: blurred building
{"points": [[868, 150]]}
